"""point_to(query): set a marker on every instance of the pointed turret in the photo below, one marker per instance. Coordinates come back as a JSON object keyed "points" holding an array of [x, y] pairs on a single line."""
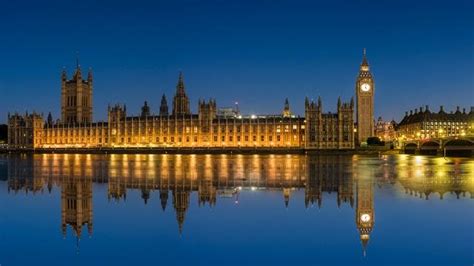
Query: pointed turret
{"points": [[286, 109], [180, 100], [78, 72], [163, 199], [64, 74], [50, 119], [441, 110], [164, 106], [145, 110], [89, 75], [145, 195], [180, 85]]}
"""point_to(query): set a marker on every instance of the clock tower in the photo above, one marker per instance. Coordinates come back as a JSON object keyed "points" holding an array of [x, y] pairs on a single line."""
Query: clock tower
{"points": [[365, 87]]}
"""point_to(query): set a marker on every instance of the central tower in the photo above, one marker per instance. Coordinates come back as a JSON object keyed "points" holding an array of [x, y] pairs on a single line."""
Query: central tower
{"points": [[365, 87], [76, 97], [180, 100]]}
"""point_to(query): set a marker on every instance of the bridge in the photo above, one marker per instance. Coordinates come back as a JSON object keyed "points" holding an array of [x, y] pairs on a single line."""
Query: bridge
{"points": [[450, 146]]}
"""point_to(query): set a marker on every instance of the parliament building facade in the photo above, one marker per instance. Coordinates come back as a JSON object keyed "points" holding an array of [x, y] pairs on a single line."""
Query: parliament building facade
{"points": [[177, 127]]}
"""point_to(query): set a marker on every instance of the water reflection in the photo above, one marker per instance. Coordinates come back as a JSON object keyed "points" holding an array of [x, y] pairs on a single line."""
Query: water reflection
{"points": [[212, 177]]}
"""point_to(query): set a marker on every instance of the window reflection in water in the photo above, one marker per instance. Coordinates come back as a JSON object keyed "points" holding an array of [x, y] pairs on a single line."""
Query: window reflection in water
{"points": [[173, 178]]}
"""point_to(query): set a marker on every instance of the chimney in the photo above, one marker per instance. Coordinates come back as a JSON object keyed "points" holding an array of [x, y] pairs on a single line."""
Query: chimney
{"points": [[427, 108], [464, 110], [441, 109], [411, 112], [416, 111]]}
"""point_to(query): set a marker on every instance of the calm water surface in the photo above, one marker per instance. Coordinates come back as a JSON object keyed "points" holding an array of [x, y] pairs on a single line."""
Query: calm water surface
{"points": [[235, 209]]}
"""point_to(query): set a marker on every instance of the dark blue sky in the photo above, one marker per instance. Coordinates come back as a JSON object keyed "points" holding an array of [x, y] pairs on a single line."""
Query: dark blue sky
{"points": [[255, 52]]}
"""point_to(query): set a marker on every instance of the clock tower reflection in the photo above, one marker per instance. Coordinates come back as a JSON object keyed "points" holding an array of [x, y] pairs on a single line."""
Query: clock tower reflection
{"points": [[303, 180], [365, 217]]}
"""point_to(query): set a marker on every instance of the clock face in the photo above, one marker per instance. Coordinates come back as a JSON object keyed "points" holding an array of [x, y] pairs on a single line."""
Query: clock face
{"points": [[365, 87], [365, 217]]}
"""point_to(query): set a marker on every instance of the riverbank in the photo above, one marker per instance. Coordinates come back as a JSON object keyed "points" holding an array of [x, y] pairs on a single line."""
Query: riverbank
{"points": [[242, 150], [247, 150]]}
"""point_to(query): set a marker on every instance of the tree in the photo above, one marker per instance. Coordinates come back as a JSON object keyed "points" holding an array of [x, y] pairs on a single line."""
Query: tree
{"points": [[3, 133], [375, 141]]}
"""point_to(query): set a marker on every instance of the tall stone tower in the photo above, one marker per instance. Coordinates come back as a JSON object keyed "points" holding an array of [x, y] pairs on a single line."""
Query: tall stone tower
{"points": [[207, 112], [365, 87], [345, 127], [364, 210], [314, 123], [76, 97], [180, 100]]}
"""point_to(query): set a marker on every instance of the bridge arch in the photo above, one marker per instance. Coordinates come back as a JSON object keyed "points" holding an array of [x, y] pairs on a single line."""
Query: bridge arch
{"points": [[459, 147], [430, 147], [410, 148]]}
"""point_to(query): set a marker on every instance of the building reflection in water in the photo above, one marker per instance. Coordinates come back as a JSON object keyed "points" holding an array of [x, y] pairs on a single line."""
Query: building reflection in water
{"points": [[76, 204], [211, 176]]}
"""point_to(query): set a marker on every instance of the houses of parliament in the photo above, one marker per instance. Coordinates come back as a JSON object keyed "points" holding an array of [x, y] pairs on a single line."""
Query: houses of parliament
{"points": [[178, 127]]}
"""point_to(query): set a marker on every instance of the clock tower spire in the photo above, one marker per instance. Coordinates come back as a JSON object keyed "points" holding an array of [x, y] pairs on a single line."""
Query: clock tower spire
{"points": [[365, 87]]}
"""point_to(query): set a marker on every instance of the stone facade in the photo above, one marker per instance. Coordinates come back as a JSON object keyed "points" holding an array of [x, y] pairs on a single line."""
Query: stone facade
{"points": [[425, 124], [181, 128]]}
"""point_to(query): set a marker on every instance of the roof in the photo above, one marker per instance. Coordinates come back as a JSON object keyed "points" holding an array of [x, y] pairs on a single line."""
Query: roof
{"points": [[441, 116]]}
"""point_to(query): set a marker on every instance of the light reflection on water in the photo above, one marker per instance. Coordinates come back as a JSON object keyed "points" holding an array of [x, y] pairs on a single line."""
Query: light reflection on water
{"points": [[94, 194]]}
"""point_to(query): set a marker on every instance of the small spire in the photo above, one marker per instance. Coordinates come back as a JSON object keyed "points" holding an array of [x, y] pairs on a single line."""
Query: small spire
{"points": [[77, 74], [364, 246], [77, 60], [286, 109], [365, 63], [64, 74], [180, 86], [89, 74]]}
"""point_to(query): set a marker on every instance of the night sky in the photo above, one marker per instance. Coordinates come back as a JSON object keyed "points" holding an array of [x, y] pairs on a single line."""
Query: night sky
{"points": [[255, 52]]}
